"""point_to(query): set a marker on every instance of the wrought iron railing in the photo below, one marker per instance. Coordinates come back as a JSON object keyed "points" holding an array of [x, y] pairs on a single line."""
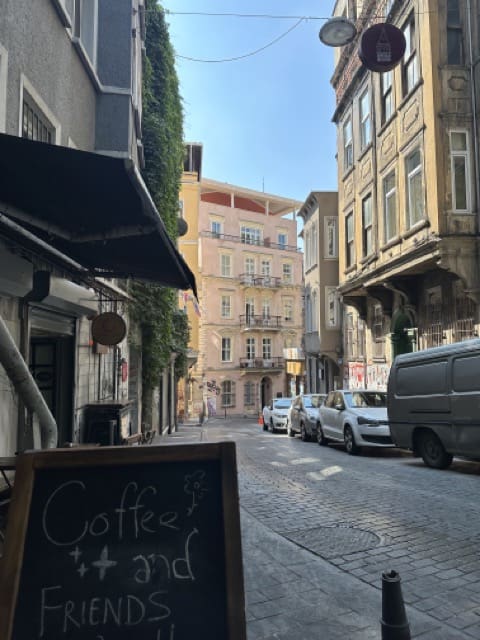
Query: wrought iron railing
{"points": [[255, 280], [262, 363], [259, 242], [260, 322]]}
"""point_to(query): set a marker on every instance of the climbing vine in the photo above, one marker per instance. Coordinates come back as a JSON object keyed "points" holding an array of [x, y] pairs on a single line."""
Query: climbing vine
{"points": [[162, 327]]}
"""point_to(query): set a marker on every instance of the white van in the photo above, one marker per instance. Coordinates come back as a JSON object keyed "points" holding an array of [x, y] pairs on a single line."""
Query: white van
{"points": [[433, 402]]}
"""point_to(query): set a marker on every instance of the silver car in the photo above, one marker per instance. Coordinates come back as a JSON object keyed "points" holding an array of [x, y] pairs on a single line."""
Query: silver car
{"points": [[358, 418], [303, 415]]}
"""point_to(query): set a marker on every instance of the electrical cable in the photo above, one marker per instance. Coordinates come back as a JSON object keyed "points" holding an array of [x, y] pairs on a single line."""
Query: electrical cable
{"points": [[246, 55]]}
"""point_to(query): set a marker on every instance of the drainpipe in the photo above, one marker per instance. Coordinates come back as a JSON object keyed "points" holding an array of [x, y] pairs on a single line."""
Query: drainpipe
{"points": [[16, 368]]}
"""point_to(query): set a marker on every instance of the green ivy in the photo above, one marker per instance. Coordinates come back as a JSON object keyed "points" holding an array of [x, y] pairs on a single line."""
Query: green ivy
{"points": [[163, 328]]}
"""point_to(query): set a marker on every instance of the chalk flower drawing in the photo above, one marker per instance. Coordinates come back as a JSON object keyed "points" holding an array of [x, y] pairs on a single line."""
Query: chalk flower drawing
{"points": [[196, 487]]}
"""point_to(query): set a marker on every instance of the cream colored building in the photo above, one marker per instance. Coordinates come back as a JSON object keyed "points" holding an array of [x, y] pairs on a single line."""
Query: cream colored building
{"points": [[246, 333], [323, 343], [408, 186]]}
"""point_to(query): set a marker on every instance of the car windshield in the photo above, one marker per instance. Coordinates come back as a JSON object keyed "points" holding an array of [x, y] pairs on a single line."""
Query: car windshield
{"points": [[313, 402], [282, 403], [366, 399]]}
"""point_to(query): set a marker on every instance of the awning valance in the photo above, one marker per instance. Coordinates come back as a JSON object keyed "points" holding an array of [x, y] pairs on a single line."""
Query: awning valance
{"points": [[93, 208]]}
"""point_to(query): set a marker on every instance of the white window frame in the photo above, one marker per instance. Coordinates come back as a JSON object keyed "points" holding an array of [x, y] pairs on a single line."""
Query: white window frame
{"points": [[349, 240], [250, 234], [330, 237], [386, 85], [265, 267], [389, 207], [412, 176], [226, 265], [79, 24], [216, 228], [226, 306], [367, 226], [249, 266], [287, 273], [267, 348], [365, 119], [226, 350], [250, 348], [282, 239], [34, 96], [331, 307], [455, 155], [288, 309], [410, 64], [347, 144]]}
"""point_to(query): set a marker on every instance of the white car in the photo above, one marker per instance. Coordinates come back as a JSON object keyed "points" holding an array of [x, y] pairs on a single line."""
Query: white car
{"points": [[358, 418], [275, 414]]}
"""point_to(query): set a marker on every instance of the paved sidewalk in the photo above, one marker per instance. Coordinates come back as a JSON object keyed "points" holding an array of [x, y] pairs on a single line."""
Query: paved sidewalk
{"points": [[293, 594]]}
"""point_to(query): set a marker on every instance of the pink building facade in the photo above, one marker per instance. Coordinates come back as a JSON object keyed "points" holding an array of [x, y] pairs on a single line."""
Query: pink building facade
{"points": [[250, 281]]}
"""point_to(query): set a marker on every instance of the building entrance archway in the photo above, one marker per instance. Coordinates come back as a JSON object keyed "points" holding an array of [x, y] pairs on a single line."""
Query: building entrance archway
{"points": [[402, 335], [265, 391]]}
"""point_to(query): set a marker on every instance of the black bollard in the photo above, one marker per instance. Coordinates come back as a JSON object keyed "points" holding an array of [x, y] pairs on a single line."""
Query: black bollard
{"points": [[394, 619]]}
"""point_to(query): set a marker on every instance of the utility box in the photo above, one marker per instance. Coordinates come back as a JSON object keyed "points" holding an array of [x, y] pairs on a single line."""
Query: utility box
{"points": [[107, 423]]}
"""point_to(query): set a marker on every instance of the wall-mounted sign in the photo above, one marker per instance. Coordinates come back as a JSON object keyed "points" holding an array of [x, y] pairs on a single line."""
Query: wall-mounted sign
{"points": [[108, 328], [381, 47]]}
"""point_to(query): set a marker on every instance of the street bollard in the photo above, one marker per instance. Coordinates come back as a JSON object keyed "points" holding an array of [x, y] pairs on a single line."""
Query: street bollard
{"points": [[394, 619]]}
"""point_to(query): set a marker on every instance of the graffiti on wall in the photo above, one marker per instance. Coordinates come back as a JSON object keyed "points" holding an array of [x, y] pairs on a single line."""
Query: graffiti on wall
{"points": [[377, 376]]}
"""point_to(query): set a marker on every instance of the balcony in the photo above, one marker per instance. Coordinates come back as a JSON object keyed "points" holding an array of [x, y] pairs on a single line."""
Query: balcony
{"points": [[250, 241], [254, 280], [262, 363], [264, 323]]}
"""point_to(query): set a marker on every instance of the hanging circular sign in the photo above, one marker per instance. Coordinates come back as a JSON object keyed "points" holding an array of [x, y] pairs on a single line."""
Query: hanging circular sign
{"points": [[381, 47], [108, 328]]}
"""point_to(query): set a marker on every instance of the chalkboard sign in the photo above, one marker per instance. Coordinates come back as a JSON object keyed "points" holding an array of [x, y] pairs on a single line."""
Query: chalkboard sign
{"points": [[116, 543]]}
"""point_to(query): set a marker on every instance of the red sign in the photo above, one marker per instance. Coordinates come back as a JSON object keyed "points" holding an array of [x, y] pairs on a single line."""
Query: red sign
{"points": [[381, 47]]}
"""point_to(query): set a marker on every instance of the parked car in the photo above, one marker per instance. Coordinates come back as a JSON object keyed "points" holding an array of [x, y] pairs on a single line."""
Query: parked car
{"points": [[433, 402], [358, 418], [303, 416], [275, 414]]}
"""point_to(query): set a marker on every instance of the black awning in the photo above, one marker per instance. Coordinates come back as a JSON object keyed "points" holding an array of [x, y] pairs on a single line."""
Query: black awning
{"points": [[93, 208]]}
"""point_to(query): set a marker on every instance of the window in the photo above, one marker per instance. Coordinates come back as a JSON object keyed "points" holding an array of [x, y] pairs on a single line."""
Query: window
{"points": [[386, 83], [347, 145], [367, 226], [228, 393], [388, 8], [250, 348], [226, 265], [282, 240], [180, 209], [216, 228], [315, 311], [349, 335], [226, 349], [250, 266], [377, 332], [365, 132], [460, 167], [287, 273], [266, 348], [331, 240], [250, 310], [349, 241], [389, 207], [331, 302], [266, 267], [266, 308], [414, 188], [410, 74], [35, 125], [249, 394], [85, 26], [226, 310], [288, 309], [455, 53], [250, 235], [311, 246]]}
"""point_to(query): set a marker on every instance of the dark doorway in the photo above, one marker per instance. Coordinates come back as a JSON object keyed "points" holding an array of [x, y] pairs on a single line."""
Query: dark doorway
{"points": [[265, 391], [51, 365], [401, 341]]}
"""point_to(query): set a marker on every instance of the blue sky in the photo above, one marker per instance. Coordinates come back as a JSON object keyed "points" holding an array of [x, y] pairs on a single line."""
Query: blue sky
{"points": [[265, 120]]}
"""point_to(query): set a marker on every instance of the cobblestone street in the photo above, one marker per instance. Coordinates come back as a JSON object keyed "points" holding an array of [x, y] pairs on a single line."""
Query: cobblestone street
{"points": [[354, 517]]}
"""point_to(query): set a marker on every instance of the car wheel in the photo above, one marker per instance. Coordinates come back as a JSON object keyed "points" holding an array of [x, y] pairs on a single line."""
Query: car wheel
{"points": [[349, 439], [303, 433], [433, 452], [272, 428], [322, 441]]}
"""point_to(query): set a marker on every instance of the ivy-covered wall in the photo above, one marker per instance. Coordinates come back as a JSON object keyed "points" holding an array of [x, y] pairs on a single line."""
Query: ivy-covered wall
{"points": [[163, 328]]}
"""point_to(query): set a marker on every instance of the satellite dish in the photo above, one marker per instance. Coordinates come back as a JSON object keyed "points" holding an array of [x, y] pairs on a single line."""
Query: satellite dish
{"points": [[337, 32]]}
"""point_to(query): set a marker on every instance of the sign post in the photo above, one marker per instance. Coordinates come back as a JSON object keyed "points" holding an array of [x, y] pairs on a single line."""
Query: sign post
{"points": [[115, 543]]}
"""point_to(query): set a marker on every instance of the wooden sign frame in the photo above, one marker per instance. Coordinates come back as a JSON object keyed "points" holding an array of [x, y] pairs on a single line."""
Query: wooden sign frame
{"points": [[30, 464]]}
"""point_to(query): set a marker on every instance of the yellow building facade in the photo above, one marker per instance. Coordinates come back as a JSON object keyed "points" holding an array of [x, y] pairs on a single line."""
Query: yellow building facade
{"points": [[408, 186]]}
